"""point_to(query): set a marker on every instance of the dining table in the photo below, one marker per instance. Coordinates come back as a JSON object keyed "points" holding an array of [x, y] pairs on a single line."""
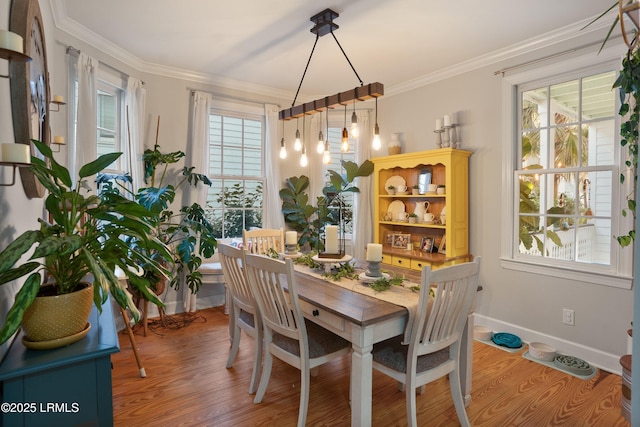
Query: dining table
{"points": [[350, 309]]}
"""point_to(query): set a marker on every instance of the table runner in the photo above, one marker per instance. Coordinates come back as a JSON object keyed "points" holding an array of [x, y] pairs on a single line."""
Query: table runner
{"points": [[398, 295]]}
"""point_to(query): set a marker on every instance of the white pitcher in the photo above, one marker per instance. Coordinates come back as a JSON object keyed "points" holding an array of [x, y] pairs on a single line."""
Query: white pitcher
{"points": [[421, 208]]}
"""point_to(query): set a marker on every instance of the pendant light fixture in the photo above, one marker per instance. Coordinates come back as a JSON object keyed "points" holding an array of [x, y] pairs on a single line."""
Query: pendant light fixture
{"points": [[354, 132], [323, 25], [297, 145], [283, 147], [304, 161], [376, 144], [326, 156], [320, 145], [344, 147]]}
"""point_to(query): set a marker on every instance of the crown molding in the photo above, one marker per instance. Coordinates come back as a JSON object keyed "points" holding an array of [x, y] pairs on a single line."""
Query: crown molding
{"points": [[578, 29]]}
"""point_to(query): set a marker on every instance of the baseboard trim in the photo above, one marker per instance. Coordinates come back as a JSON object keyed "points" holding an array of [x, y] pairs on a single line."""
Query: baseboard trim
{"points": [[602, 360]]}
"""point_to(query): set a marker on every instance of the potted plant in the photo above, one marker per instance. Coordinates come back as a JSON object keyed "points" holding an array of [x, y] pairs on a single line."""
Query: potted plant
{"points": [[391, 189], [187, 233], [412, 218], [415, 190], [84, 238]]}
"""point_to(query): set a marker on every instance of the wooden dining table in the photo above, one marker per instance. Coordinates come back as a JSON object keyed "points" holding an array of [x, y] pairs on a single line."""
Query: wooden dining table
{"points": [[365, 320]]}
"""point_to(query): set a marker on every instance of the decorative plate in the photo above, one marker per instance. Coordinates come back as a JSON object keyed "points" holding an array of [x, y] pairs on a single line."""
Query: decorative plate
{"points": [[573, 364], [507, 340], [396, 181], [395, 208]]}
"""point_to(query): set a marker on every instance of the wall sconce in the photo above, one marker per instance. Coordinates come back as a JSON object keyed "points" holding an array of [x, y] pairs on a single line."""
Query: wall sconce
{"points": [[11, 48], [57, 101], [57, 141], [324, 25], [15, 155]]}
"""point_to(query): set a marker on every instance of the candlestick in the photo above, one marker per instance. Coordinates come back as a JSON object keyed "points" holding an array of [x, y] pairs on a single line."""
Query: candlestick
{"points": [[438, 133], [331, 239], [454, 136], [374, 269], [446, 139], [374, 252], [16, 153]]}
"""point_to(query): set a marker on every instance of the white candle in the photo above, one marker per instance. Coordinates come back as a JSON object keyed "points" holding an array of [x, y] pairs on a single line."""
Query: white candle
{"points": [[447, 120], [374, 252], [58, 99], [291, 238], [438, 124], [11, 41], [331, 239], [58, 140], [16, 153]]}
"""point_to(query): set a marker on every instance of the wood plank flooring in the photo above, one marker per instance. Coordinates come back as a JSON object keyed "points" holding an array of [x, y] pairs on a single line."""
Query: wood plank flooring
{"points": [[187, 385]]}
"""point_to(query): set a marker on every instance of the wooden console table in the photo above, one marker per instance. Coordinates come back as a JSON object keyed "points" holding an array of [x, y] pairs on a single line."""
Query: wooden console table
{"points": [[68, 386]]}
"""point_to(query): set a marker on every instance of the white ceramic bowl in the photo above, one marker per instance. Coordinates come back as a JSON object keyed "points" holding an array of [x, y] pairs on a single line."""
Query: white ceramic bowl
{"points": [[482, 333], [542, 351]]}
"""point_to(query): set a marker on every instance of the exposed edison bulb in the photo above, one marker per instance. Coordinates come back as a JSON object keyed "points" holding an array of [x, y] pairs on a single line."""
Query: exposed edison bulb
{"points": [[376, 144], [283, 150], [354, 126], [320, 146], [326, 155], [304, 161], [344, 147], [297, 145]]}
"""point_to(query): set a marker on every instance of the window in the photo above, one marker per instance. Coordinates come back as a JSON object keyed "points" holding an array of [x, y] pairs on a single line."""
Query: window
{"points": [[234, 201], [110, 99], [334, 136], [566, 166]]}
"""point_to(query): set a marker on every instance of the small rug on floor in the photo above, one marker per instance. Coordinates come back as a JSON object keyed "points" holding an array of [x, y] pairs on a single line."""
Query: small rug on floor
{"points": [[501, 347], [552, 364]]}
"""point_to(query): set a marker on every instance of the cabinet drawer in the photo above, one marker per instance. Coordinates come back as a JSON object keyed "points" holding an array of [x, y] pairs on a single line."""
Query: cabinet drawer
{"points": [[386, 259], [418, 264], [401, 261], [322, 317]]}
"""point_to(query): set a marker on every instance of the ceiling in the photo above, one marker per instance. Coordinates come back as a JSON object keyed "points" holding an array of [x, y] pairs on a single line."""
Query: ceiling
{"points": [[264, 45]]}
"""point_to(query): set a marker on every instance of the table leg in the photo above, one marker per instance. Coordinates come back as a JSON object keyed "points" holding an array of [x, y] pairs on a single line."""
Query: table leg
{"points": [[361, 379]]}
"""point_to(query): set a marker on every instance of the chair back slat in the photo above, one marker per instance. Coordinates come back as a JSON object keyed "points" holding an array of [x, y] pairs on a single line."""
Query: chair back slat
{"points": [[440, 319], [280, 309], [231, 263], [260, 241]]}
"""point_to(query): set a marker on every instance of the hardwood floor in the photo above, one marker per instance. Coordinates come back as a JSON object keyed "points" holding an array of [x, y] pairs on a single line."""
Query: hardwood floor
{"points": [[187, 385]]}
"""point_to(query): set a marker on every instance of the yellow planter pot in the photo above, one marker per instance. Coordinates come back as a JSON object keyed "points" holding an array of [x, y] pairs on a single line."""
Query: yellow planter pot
{"points": [[51, 318]]}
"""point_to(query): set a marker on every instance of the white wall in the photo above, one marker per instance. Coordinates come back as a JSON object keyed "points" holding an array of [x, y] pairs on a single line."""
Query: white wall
{"points": [[524, 303]]}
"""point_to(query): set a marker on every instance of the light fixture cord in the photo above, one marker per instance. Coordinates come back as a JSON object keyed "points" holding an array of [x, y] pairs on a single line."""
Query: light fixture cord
{"points": [[345, 55], [305, 71]]}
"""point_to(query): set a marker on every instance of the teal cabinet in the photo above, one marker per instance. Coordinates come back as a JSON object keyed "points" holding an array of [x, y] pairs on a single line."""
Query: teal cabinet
{"points": [[68, 386]]}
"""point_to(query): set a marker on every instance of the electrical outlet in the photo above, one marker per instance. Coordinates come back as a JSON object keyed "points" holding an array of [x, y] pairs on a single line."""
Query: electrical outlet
{"points": [[568, 316]]}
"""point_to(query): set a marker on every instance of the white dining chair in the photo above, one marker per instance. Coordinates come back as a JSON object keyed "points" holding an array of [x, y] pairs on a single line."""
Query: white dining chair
{"points": [[302, 344], [433, 350], [262, 240], [243, 310]]}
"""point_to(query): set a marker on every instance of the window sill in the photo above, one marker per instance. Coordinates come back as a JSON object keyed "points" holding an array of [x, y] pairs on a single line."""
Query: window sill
{"points": [[565, 273]]}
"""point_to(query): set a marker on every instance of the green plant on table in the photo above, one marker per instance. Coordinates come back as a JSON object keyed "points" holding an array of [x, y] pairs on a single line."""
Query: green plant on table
{"points": [[85, 235]]}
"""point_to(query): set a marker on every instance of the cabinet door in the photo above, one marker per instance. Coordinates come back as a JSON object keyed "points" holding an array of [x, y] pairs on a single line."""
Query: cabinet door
{"points": [[418, 264]]}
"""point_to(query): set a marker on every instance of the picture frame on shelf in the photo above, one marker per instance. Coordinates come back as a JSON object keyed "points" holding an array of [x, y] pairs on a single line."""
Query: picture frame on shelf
{"points": [[426, 244], [442, 249], [388, 239], [400, 240]]}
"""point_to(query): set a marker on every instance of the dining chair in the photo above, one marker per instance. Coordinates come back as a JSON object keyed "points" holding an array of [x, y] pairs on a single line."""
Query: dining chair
{"points": [[260, 241], [301, 344], [433, 350], [243, 310]]}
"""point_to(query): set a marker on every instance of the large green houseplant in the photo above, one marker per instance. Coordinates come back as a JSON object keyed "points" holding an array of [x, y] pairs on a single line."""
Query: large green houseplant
{"points": [[85, 235], [187, 232]]}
